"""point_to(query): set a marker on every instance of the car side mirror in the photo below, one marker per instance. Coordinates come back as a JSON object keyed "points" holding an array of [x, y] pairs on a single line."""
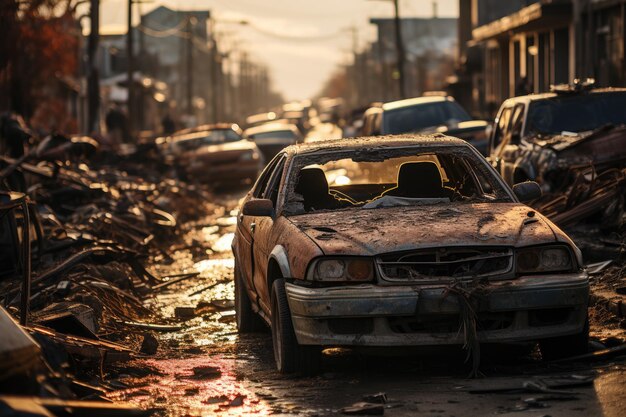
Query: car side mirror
{"points": [[527, 191], [258, 207]]}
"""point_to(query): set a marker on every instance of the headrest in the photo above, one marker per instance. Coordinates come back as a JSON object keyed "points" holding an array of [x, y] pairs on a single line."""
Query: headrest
{"points": [[312, 182], [419, 180]]}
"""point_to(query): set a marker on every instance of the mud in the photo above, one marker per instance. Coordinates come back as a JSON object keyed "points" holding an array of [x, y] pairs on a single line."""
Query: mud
{"points": [[207, 369]]}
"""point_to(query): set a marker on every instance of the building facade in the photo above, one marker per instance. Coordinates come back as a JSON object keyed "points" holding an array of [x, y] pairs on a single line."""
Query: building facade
{"points": [[520, 47]]}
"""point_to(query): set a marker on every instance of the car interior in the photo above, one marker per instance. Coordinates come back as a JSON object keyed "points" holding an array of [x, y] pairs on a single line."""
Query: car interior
{"points": [[420, 179]]}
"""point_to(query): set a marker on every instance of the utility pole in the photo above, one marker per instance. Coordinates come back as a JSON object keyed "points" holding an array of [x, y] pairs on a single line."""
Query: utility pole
{"points": [[129, 70], [93, 85], [383, 70], [243, 85], [357, 75], [399, 49], [142, 65], [213, 70], [189, 83]]}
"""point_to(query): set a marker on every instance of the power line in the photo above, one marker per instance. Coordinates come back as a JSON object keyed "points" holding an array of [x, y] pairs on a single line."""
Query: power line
{"points": [[164, 33], [288, 37]]}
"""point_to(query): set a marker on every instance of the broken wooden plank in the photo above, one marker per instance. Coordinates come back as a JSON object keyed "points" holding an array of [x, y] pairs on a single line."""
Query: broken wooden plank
{"points": [[178, 278], [151, 326], [18, 350], [76, 408]]}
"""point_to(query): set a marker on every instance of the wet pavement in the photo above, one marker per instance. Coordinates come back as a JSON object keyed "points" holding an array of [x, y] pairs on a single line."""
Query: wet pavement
{"points": [[207, 369]]}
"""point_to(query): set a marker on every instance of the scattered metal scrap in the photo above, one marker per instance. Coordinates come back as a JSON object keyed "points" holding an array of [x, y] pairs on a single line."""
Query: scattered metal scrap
{"points": [[585, 194], [77, 224]]}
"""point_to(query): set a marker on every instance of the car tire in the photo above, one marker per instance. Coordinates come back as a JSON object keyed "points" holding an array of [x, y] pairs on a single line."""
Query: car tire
{"points": [[247, 320], [565, 346], [290, 356]]}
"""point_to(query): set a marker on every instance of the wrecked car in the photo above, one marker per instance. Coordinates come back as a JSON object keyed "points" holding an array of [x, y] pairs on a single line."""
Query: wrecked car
{"points": [[428, 114], [401, 241], [272, 137], [543, 137], [214, 154]]}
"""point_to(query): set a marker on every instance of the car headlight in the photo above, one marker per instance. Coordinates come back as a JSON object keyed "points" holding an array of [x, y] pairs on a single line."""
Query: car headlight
{"points": [[341, 269], [544, 259]]}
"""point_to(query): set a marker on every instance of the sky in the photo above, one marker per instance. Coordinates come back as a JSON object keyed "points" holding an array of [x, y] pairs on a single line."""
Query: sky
{"points": [[298, 66]]}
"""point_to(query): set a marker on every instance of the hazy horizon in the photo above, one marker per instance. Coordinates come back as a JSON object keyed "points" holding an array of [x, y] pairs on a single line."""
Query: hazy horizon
{"points": [[298, 67]]}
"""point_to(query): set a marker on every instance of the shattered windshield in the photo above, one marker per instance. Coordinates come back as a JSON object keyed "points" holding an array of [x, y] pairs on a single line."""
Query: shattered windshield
{"points": [[424, 116], [576, 113], [369, 180]]}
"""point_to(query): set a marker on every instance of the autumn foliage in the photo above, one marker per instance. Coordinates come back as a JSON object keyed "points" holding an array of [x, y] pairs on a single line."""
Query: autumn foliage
{"points": [[39, 52]]}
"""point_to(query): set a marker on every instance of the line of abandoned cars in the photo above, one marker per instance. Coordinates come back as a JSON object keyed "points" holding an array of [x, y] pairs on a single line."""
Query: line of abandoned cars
{"points": [[418, 239]]}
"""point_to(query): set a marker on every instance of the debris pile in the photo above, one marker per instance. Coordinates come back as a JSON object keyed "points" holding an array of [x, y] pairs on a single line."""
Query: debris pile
{"points": [[585, 194], [77, 225]]}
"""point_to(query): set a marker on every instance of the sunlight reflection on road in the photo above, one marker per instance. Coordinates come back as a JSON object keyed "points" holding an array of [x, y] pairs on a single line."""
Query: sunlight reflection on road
{"points": [[186, 394]]}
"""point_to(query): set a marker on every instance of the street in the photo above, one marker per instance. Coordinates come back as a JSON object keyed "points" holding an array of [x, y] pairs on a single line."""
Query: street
{"points": [[312, 208], [206, 368]]}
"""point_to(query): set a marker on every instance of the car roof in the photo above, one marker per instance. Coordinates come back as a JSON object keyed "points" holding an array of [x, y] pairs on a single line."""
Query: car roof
{"points": [[271, 127], [409, 102], [208, 127], [542, 96], [377, 142]]}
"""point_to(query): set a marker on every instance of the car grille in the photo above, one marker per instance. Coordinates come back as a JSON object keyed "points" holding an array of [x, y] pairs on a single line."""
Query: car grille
{"points": [[440, 264], [450, 323]]}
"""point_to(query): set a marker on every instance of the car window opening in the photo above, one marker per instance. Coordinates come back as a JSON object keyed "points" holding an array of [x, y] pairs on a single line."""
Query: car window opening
{"points": [[576, 113], [425, 178]]}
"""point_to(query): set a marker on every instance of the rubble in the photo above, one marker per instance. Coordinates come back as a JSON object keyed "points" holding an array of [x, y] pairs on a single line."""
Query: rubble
{"points": [[78, 225], [19, 353], [584, 193], [50, 406]]}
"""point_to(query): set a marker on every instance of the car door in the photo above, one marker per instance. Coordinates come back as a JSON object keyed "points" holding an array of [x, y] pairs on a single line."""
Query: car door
{"points": [[510, 147], [245, 230], [498, 137], [262, 237]]}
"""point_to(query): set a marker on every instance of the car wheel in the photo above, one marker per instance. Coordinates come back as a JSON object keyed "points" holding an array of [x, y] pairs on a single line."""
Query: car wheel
{"points": [[247, 320], [289, 355], [565, 346]]}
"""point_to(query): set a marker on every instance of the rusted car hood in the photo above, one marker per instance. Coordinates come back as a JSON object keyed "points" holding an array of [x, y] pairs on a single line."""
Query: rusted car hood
{"points": [[376, 231]]}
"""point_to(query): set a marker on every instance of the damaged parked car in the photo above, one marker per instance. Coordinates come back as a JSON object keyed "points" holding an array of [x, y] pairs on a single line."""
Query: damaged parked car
{"points": [[213, 154], [428, 114], [401, 242], [272, 137], [543, 137]]}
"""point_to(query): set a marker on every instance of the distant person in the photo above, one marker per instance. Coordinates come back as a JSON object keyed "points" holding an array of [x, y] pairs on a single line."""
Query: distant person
{"points": [[168, 125], [522, 87], [117, 127]]}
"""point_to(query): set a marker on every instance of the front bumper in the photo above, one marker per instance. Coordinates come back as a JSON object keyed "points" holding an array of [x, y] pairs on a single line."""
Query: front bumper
{"points": [[524, 309]]}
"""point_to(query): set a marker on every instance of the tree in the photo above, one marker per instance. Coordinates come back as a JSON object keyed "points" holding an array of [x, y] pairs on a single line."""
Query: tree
{"points": [[39, 47]]}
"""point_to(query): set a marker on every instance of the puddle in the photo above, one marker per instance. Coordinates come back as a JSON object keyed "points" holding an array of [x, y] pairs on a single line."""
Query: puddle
{"points": [[187, 395], [224, 243], [210, 265], [226, 221]]}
